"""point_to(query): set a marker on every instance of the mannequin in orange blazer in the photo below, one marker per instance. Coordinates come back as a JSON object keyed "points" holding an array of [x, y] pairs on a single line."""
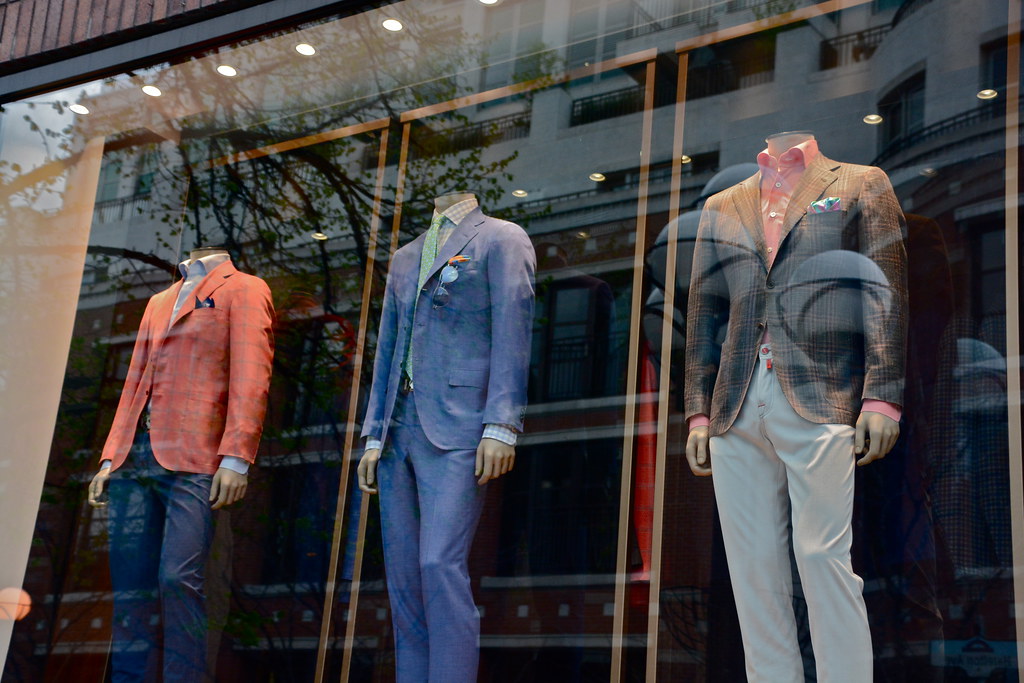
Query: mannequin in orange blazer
{"points": [[207, 375]]}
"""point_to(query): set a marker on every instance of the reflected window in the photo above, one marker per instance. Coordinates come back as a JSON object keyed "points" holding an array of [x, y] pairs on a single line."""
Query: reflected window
{"points": [[902, 111], [514, 42]]}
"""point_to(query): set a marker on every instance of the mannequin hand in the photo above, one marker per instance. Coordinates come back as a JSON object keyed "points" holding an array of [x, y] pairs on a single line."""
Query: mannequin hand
{"points": [[876, 435], [98, 488], [697, 452], [367, 471], [228, 487], [493, 459]]}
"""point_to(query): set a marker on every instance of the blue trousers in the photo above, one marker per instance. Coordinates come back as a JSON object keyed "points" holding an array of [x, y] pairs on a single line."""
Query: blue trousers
{"points": [[430, 504], [160, 530]]}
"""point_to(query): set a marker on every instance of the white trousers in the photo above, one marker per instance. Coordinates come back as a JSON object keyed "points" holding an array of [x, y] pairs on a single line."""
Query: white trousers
{"points": [[772, 463]]}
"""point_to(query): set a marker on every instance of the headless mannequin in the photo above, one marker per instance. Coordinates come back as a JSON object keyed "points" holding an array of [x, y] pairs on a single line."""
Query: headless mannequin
{"points": [[228, 486], [876, 433], [493, 458]]}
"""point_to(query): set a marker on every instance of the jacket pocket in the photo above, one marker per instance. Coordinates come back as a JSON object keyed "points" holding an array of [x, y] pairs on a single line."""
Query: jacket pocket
{"points": [[467, 377]]}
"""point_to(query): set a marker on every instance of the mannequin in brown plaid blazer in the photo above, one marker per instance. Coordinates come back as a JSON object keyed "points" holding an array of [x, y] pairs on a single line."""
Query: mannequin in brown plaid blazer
{"points": [[788, 413], [825, 368]]}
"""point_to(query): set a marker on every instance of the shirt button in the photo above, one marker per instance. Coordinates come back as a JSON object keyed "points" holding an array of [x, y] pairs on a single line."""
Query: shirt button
{"points": [[770, 250], [772, 214], [778, 184]]}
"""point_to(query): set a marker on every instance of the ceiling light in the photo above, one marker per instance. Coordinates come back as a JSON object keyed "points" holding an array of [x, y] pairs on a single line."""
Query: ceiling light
{"points": [[79, 108], [929, 172], [392, 24], [583, 234], [225, 70], [319, 236], [597, 177], [152, 90], [872, 119], [488, 2], [685, 159], [305, 49], [520, 193], [987, 94]]}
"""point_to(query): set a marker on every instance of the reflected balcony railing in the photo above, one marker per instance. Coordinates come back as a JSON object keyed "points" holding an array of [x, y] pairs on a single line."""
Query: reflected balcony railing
{"points": [[120, 209], [474, 135], [987, 112], [612, 104], [727, 75], [851, 48], [583, 367]]}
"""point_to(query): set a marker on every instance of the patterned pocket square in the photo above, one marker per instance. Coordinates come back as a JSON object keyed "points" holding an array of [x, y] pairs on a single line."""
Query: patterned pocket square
{"points": [[206, 303], [826, 205]]}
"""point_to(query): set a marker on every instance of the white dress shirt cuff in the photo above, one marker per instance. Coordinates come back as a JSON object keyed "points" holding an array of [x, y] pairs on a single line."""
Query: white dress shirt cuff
{"points": [[372, 444], [502, 433], [235, 464], [105, 465]]}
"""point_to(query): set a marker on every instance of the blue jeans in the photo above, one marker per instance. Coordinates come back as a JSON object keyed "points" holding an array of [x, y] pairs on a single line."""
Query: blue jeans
{"points": [[160, 530]]}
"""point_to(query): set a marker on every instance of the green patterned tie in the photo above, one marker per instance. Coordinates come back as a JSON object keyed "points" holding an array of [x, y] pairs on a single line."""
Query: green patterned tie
{"points": [[426, 261]]}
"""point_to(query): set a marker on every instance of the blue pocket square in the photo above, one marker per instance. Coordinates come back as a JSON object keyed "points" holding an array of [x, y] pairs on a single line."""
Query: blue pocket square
{"points": [[826, 205], [205, 303]]}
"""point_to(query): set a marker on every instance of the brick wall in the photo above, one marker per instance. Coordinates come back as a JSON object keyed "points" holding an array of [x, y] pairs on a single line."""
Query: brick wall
{"points": [[39, 31]]}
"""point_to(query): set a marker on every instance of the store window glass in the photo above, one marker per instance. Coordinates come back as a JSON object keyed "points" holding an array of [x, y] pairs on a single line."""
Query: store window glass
{"points": [[608, 147]]}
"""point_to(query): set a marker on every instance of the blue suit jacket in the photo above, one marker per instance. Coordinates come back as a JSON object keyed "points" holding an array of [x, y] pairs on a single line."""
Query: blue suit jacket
{"points": [[471, 357]]}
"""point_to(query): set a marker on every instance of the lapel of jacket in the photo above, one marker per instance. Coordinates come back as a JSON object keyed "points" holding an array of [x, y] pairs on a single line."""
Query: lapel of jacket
{"points": [[747, 198], [213, 280], [465, 231], [816, 179]]}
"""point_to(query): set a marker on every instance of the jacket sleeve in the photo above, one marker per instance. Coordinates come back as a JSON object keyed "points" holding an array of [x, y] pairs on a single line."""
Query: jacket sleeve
{"points": [[383, 358], [708, 305], [251, 349], [881, 236], [511, 266], [136, 368]]}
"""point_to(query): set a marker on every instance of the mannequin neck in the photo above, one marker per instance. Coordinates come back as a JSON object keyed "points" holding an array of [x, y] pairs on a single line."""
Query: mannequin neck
{"points": [[202, 252], [780, 143], [447, 201]]}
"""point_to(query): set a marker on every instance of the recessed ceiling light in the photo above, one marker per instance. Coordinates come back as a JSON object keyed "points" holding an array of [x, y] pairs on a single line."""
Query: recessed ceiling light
{"points": [[225, 70], [305, 49], [597, 177], [392, 24], [319, 236], [488, 2], [872, 119], [78, 108], [152, 90], [987, 94], [929, 172], [685, 159], [520, 193], [583, 234]]}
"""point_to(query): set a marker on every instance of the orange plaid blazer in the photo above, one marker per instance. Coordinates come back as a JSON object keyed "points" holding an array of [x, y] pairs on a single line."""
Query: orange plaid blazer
{"points": [[834, 299], [207, 374]]}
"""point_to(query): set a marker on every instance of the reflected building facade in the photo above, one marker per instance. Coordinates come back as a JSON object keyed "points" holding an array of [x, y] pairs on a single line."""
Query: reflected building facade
{"points": [[601, 127]]}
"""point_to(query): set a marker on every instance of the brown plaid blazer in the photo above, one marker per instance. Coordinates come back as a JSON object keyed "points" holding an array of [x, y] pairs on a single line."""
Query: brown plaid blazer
{"points": [[208, 374], [834, 300]]}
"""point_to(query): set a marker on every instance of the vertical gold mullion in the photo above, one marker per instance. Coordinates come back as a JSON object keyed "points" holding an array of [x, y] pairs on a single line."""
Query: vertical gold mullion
{"points": [[1013, 378], [357, 369], [664, 378], [364, 508], [629, 421]]}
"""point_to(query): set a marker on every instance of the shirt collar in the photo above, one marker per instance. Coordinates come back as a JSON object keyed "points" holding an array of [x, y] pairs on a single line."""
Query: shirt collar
{"points": [[456, 212], [201, 266], [798, 157]]}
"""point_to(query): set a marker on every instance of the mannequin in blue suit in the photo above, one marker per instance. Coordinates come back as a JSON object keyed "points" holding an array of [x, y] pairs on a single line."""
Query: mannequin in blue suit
{"points": [[447, 400]]}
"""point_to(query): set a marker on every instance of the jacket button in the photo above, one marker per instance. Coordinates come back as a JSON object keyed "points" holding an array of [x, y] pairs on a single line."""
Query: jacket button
{"points": [[770, 284]]}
